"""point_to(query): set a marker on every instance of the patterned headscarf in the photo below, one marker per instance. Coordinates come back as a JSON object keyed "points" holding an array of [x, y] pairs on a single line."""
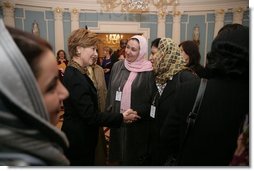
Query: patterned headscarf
{"points": [[168, 61]]}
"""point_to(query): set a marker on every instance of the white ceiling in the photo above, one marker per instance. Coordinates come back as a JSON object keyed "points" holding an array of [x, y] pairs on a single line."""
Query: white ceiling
{"points": [[93, 5]]}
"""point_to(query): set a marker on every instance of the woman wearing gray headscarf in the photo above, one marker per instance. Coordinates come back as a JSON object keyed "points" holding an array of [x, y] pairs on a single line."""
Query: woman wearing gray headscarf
{"points": [[30, 99]]}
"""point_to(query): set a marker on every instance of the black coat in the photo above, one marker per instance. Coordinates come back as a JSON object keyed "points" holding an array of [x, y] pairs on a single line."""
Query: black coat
{"points": [[82, 119], [163, 104], [212, 140]]}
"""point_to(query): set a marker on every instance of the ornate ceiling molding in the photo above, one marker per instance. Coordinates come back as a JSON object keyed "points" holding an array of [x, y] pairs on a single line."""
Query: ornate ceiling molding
{"points": [[94, 6]]}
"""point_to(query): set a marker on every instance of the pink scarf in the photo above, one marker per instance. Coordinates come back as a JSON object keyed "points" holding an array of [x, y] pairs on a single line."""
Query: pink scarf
{"points": [[139, 65]]}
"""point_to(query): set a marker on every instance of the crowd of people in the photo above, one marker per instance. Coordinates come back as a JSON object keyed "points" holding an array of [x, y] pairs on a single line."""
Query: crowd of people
{"points": [[144, 102]]}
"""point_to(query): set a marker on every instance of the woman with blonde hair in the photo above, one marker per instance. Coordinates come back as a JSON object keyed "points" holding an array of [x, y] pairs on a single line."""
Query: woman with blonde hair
{"points": [[82, 118]]}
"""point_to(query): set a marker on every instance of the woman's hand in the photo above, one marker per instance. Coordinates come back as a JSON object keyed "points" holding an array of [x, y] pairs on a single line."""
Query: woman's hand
{"points": [[130, 116], [106, 70]]}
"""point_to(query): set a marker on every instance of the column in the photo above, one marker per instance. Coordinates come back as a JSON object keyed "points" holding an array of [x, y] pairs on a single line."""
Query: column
{"points": [[176, 26], [161, 28], [8, 14], [74, 19], [238, 15], [219, 21], [59, 36]]}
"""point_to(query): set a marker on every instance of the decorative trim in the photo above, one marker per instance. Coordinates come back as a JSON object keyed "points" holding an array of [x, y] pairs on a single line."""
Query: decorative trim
{"points": [[120, 27], [75, 11], [58, 10], [8, 5]]}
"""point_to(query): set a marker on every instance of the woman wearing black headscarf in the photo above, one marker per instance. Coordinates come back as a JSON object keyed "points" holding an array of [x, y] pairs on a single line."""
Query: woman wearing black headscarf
{"points": [[212, 140]]}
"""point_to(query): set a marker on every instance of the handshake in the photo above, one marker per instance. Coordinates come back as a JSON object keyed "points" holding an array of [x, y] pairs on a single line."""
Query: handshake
{"points": [[130, 116]]}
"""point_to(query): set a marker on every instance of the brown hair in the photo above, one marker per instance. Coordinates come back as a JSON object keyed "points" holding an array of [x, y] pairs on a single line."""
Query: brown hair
{"points": [[58, 52], [81, 37], [108, 49], [192, 50], [32, 47]]}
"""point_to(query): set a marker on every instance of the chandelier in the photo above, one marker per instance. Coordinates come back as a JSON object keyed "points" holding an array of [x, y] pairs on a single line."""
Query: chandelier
{"points": [[113, 38], [135, 5], [138, 5]]}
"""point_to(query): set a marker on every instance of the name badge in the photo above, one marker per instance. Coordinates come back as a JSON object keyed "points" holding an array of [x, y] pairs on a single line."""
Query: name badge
{"points": [[118, 96], [152, 111]]}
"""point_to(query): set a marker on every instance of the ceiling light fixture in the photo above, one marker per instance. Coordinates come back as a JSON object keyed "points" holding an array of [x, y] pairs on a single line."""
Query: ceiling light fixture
{"points": [[138, 5]]}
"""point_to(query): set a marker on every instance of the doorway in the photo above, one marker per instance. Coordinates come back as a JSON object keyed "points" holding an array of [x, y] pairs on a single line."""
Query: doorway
{"points": [[111, 40]]}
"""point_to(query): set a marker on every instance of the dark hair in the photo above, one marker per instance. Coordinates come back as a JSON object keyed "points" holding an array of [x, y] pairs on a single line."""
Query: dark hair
{"points": [[58, 52], [229, 55], [192, 50], [31, 46], [108, 49], [123, 43], [156, 42], [230, 27]]}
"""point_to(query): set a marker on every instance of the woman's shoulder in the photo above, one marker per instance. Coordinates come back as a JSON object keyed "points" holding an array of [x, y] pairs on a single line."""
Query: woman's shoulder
{"points": [[98, 69], [188, 72], [118, 64], [199, 70], [73, 76], [66, 62], [72, 72], [148, 73]]}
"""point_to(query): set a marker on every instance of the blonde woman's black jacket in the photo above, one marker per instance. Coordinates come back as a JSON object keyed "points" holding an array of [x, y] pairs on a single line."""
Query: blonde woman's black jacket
{"points": [[82, 119]]}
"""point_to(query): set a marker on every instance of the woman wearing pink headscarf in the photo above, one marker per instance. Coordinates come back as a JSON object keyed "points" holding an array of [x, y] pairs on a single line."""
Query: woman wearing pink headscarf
{"points": [[132, 86]]}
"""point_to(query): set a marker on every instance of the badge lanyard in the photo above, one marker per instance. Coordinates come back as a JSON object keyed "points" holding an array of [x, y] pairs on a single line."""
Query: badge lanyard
{"points": [[119, 92], [153, 107], [118, 95]]}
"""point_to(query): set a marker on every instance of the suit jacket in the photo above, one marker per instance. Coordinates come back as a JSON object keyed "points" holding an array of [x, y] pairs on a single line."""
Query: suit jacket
{"points": [[101, 149], [212, 140], [101, 86], [81, 117]]}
